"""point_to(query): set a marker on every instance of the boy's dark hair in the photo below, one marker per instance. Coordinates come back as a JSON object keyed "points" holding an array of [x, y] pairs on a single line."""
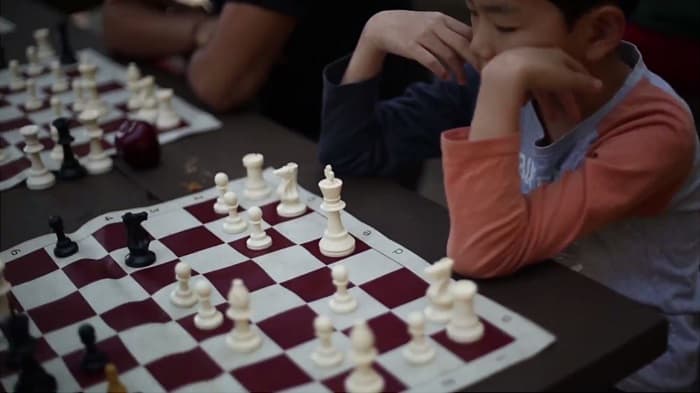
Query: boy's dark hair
{"points": [[574, 9]]}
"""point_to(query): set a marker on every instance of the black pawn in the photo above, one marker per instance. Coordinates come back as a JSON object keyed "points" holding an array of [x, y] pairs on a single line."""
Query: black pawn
{"points": [[65, 247], [16, 331], [67, 53], [94, 361], [70, 169], [137, 240], [33, 377]]}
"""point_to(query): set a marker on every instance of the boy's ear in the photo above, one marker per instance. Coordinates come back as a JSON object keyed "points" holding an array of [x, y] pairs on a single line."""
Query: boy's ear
{"points": [[600, 32]]}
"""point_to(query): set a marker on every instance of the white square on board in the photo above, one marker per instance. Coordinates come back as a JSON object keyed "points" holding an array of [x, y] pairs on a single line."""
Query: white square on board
{"points": [[214, 258], [412, 375], [155, 340], [272, 300], [45, 289], [160, 226], [288, 263], [229, 360], [368, 265], [367, 308], [106, 294], [66, 340], [303, 229], [301, 354]]}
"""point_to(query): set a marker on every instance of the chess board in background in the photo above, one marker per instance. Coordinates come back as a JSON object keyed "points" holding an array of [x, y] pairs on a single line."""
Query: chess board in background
{"points": [[157, 348], [111, 79]]}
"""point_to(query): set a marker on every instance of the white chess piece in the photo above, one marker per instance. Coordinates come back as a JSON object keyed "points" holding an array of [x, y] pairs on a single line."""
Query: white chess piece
{"points": [[290, 205], [336, 241], [465, 326], [44, 48], [16, 78], [34, 68], [418, 350], [325, 355], [342, 302], [364, 378], [149, 103], [221, 182], [439, 309], [5, 287], [234, 223], [94, 101], [255, 186], [133, 75], [258, 240], [88, 70], [78, 96], [32, 102], [167, 117], [208, 317], [57, 109], [39, 177], [60, 82], [97, 161], [182, 295], [242, 337]]}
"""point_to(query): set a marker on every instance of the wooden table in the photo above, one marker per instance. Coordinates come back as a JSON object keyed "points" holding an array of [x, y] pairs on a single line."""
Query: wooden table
{"points": [[601, 336]]}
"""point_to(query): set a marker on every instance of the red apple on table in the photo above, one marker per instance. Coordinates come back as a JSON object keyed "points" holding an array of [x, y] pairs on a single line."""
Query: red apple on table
{"points": [[137, 143]]}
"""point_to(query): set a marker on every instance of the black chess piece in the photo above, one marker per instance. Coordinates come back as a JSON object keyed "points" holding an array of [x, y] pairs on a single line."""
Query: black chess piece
{"points": [[16, 331], [67, 53], [33, 377], [94, 360], [137, 240], [65, 247], [70, 169]]}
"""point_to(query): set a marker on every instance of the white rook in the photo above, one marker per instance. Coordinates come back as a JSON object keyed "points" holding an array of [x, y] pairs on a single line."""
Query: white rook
{"points": [[465, 326], [255, 186]]}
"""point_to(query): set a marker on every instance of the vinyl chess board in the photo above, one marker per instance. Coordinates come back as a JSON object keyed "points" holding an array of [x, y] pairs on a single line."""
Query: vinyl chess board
{"points": [[111, 80], [156, 346]]}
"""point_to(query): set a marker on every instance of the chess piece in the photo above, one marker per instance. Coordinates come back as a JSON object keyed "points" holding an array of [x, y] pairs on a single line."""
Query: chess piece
{"points": [[67, 53], [5, 288], [60, 82], [114, 385], [149, 103], [288, 192], [44, 48], [167, 117], [418, 350], [33, 377], [79, 96], [325, 355], [242, 337], [336, 241], [439, 309], [137, 143], [34, 68], [32, 102], [233, 224], [39, 178], [255, 186], [93, 101], [57, 109], [342, 301], [137, 241], [133, 75], [94, 360], [182, 295], [71, 169], [465, 326], [208, 317], [16, 79], [98, 161], [16, 331], [363, 379], [221, 182], [258, 240], [65, 247], [87, 69]]}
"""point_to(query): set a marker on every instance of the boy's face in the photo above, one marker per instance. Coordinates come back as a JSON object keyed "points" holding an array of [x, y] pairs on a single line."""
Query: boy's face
{"points": [[499, 25]]}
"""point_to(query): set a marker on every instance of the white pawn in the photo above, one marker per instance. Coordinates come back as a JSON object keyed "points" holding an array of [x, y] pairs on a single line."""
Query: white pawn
{"points": [[16, 78], [44, 48], [34, 68], [79, 96], [221, 182], [60, 82], [149, 103], [88, 70], [93, 100], [182, 295], [288, 192], [439, 308], [418, 350], [342, 301], [5, 287], [39, 177], [33, 102], [233, 223], [465, 326], [57, 108], [255, 186], [133, 75], [241, 338], [258, 240], [325, 355], [97, 161], [167, 117], [208, 317], [364, 378]]}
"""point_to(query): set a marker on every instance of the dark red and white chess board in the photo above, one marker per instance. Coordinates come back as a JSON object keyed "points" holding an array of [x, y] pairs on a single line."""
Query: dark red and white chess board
{"points": [[157, 348], [112, 87]]}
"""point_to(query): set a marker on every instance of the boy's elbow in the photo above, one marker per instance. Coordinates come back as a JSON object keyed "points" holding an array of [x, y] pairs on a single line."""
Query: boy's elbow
{"points": [[480, 260], [219, 96]]}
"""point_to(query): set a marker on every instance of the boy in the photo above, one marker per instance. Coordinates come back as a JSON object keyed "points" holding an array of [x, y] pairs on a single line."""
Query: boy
{"points": [[575, 151]]}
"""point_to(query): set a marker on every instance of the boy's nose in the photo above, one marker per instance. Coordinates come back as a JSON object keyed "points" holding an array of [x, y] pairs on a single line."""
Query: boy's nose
{"points": [[482, 48]]}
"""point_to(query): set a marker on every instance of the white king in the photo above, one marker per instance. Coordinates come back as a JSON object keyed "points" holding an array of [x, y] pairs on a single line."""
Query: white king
{"points": [[336, 241]]}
